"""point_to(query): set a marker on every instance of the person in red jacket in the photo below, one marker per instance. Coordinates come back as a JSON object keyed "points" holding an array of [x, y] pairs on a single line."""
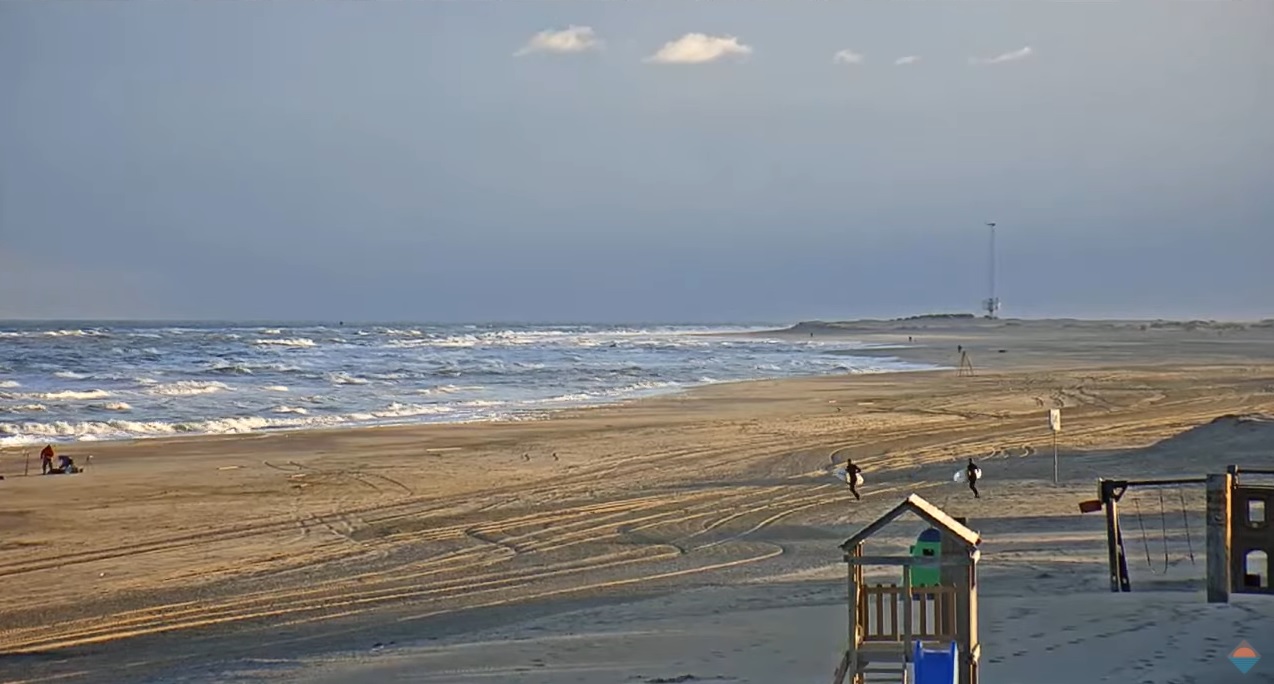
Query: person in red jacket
{"points": [[46, 459]]}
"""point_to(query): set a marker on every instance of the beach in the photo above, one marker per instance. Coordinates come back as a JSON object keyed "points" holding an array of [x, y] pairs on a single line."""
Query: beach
{"points": [[682, 537]]}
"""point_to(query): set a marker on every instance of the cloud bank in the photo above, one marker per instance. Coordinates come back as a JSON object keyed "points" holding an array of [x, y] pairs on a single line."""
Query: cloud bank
{"points": [[699, 48], [847, 57], [572, 39], [1006, 57]]}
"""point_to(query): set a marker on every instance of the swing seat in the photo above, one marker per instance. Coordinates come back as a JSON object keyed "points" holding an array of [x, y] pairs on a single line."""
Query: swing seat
{"points": [[1092, 506]]}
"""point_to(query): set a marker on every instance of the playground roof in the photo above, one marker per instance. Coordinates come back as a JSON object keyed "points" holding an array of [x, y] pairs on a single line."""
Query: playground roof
{"points": [[926, 511]]}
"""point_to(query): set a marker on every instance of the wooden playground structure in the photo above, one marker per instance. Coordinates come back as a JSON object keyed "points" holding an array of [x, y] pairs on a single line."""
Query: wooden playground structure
{"points": [[1239, 535], [929, 633]]}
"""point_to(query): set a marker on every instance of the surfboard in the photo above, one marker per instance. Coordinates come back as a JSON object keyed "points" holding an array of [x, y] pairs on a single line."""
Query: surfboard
{"points": [[843, 475], [960, 475]]}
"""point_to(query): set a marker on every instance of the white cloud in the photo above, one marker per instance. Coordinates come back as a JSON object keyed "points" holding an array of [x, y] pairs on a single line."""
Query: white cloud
{"points": [[909, 59], [847, 57], [1006, 57], [570, 39], [697, 48]]}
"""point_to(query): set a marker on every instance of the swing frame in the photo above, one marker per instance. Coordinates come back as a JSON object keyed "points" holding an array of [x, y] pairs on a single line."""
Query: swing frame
{"points": [[1231, 534], [1110, 492]]}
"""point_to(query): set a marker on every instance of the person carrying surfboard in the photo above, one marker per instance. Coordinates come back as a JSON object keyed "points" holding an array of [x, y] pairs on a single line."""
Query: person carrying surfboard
{"points": [[852, 473], [971, 473]]}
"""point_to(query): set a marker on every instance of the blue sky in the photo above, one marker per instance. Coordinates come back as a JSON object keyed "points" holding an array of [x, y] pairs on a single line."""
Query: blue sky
{"points": [[396, 160]]}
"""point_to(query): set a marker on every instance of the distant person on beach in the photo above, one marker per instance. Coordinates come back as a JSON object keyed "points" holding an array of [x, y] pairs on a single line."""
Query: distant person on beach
{"points": [[46, 459], [851, 478], [971, 474]]}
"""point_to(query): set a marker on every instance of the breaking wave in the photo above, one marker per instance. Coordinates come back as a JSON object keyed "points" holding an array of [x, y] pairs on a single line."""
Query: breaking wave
{"points": [[103, 382]]}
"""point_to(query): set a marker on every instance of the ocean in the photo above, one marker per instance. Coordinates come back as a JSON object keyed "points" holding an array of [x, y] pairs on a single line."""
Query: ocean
{"points": [[81, 382]]}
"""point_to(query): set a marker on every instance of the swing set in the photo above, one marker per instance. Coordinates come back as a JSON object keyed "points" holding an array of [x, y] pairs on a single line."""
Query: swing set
{"points": [[1239, 538], [1111, 492]]}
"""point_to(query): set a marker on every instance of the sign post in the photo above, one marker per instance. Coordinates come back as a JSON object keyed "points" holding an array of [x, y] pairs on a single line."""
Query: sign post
{"points": [[1055, 426]]}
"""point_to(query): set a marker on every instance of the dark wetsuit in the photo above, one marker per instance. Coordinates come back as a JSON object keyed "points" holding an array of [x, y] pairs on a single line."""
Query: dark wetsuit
{"points": [[851, 477], [971, 474]]}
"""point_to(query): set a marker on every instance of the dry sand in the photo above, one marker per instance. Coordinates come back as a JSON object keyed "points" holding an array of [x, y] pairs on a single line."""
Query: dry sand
{"points": [[693, 535]]}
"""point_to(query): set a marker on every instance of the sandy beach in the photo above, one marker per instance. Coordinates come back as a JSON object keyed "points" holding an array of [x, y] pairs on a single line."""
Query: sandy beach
{"points": [[682, 538]]}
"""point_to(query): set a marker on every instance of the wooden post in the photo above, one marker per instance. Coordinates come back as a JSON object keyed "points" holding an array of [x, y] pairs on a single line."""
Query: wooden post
{"points": [[906, 616], [1219, 531], [951, 575], [969, 673], [1124, 583], [851, 650], [1112, 534], [966, 622]]}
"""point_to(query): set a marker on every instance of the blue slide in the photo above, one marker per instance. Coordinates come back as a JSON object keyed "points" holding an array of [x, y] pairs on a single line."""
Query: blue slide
{"points": [[936, 667]]}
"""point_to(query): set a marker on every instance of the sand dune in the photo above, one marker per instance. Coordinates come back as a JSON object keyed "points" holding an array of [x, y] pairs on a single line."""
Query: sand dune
{"points": [[691, 535]]}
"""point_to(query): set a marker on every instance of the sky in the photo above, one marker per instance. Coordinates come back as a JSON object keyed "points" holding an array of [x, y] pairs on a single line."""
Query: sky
{"points": [[635, 161]]}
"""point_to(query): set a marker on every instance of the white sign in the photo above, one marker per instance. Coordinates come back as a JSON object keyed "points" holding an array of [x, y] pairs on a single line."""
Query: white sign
{"points": [[1055, 419]]}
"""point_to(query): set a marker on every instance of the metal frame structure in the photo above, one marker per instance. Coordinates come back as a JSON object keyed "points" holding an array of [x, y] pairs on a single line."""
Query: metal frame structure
{"points": [[1109, 492], [1227, 502]]}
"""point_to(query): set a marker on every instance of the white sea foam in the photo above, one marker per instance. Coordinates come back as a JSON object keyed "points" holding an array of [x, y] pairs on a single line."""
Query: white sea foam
{"points": [[73, 333], [198, 380], [186, 388], [287, 342], [73, 395], [26, 408]]}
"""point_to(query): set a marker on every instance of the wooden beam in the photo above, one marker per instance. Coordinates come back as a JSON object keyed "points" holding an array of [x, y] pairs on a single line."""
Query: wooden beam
{"points": [[1219, 537], [906, 615], [1112, 547], [851, 652], [911, 561]]}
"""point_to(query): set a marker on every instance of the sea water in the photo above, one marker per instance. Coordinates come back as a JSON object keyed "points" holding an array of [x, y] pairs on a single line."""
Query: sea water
{"points": [[77, 382]]}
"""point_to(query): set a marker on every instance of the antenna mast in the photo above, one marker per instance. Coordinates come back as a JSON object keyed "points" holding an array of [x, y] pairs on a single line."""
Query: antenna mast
{"points": [[992, 303]]}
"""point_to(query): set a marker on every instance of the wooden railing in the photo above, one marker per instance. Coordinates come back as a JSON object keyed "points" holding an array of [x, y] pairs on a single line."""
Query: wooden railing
{"points": [[881, 611]]}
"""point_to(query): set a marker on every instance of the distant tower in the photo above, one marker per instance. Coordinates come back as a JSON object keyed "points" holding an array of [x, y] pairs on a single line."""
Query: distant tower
{"points": [[992, 304]]}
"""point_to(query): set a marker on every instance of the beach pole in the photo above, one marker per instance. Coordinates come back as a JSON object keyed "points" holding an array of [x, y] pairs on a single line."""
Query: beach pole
{"points": [[1055, 477], [26, 467]]}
